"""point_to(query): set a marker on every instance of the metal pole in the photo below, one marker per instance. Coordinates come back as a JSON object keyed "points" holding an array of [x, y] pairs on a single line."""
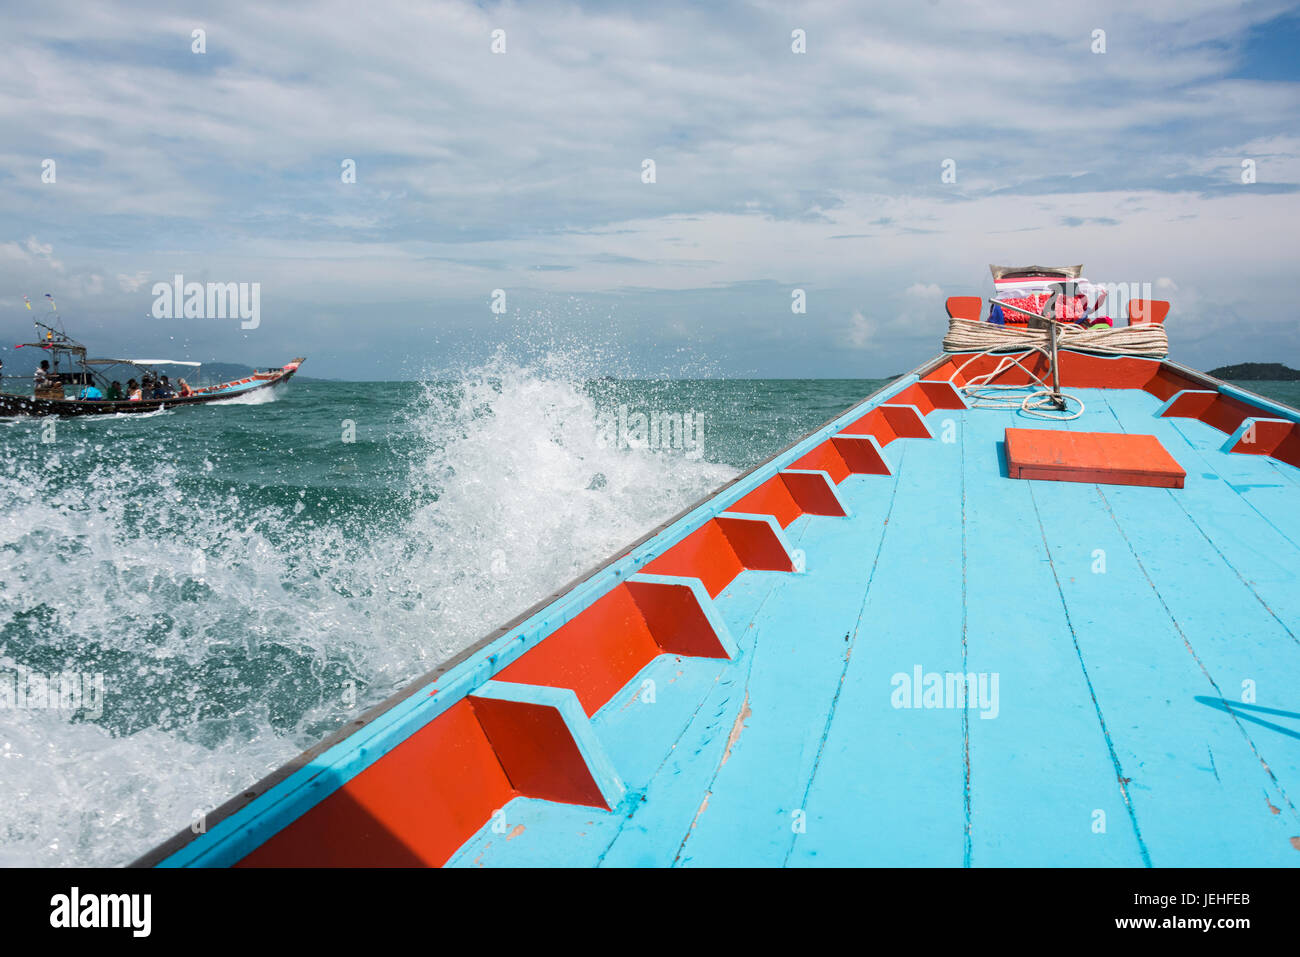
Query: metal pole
{"points": [[1057, 400]]}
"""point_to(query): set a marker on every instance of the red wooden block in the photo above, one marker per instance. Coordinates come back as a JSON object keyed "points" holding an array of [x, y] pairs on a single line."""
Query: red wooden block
{"points": [[1112, 458]]}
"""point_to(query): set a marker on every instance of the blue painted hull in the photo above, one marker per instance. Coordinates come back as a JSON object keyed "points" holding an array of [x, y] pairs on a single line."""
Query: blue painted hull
{"points": [[918, 662]]}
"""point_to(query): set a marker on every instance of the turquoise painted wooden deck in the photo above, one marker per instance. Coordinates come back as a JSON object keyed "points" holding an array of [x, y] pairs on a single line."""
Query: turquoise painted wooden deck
{"points": [[1138, 648]]}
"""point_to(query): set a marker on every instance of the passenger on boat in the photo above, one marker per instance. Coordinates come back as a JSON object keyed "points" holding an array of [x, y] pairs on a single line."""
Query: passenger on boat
{"points": [[115, 392], [133, 391], [163, 389], [45, 379], [185, 388], [90, 391]]}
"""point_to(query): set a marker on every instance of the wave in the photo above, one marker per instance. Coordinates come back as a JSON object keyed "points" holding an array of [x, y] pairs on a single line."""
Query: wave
{"points": [[235, 622], [256, 397]]}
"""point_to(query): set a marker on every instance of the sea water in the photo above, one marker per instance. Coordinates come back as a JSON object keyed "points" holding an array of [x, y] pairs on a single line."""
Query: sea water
{"points": [[241, 581]]}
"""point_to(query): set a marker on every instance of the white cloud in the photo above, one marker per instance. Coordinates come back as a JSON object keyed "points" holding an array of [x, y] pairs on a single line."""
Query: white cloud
{"points": [[474, 168], [31, 253], [861, 331]]}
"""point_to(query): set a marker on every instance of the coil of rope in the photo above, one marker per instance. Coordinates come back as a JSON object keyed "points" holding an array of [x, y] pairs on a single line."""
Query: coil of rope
{"points": [[1017, 342], [1147, 339]]}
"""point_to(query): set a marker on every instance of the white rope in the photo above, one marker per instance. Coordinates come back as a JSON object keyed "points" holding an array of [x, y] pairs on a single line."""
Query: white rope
{"points": [[1146, 339], [1041, 403], [964, 335]]}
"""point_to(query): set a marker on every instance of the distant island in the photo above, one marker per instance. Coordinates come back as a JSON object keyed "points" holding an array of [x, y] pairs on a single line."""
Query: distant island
{"points": [[229, 371], [1257, 371]]}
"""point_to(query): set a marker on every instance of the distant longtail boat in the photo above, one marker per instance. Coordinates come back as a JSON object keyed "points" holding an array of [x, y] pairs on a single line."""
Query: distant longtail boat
{"points": [[91, 387]]}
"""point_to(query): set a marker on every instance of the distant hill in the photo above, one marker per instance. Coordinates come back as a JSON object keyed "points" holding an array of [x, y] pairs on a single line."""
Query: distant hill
{"points": [[226, 371], [1257, 371]]}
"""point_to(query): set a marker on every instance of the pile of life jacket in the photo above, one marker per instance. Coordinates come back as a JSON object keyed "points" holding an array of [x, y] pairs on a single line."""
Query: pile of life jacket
{"points": [[1080, 303]]}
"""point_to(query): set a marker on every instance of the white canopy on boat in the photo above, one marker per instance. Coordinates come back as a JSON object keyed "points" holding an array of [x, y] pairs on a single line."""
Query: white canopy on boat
{"points": [[145, 362]]}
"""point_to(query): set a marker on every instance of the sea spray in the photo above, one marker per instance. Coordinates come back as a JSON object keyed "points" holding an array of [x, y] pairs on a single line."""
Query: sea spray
{"points": [[245, 582]]}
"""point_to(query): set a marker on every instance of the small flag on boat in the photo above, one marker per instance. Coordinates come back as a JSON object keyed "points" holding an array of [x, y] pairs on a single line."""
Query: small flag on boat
{"points": [[51, 299], [28, 301]]}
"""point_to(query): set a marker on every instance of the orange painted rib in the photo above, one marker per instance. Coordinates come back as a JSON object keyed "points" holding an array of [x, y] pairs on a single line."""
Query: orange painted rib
{"points": [[704, 554], [720, 550], [787, 495], [676, 620], [811, 493], [598, 652], [1213, 408], [843, 455], [825, 458], [595, 654], [1191, 405], [773, 498], [928, 395], [889, 422], [1226, 413], [1166, 382], [754, 544], [535, 747], [1266, 437], [413, 808], [1082, 371], [973, 367], [861, 457], [1288, 450]]}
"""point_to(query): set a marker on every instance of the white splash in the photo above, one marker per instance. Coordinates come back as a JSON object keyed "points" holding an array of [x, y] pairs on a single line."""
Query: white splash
{"points": [[227, 630]]}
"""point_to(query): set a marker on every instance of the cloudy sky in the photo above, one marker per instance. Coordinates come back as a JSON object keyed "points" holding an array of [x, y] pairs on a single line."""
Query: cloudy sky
{"points": [[522, 171]]}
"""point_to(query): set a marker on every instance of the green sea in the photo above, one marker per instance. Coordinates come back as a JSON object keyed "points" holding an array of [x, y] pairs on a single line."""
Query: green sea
{"points": [[241, 578]]}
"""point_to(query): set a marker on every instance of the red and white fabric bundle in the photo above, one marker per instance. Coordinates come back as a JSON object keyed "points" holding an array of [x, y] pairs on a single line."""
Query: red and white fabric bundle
{"points": [[1082, 303]]}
